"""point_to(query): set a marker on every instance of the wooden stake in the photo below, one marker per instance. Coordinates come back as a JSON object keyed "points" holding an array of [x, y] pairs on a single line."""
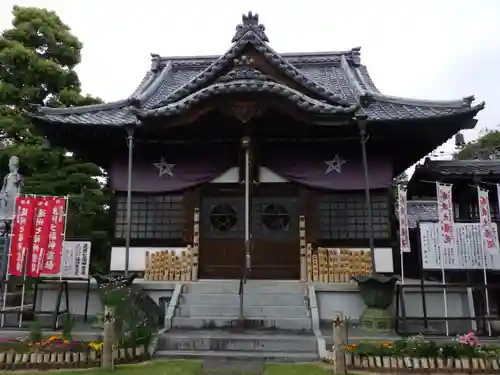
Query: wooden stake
{"points": [[109, 338], [339, 341]]}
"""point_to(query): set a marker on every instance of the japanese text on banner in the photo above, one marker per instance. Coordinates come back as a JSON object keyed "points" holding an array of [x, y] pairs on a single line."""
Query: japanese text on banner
{"points": [[404, 237], [489, 239], [22, 231], [76, 259], [43, 215], [52, 258], [447, 243]]}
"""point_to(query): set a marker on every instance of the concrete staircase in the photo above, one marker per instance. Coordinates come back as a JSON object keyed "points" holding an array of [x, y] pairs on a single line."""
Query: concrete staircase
{"points": [[277, 325]]}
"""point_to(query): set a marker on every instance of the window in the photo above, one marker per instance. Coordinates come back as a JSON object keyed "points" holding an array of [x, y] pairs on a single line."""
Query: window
{"points": [[275, 217], [153, 217], [344, 216], [223, 217]]}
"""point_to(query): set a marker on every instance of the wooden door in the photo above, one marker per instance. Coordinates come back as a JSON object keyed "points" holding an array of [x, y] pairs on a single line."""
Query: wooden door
{"points": [[222, 232], [275, 232]]}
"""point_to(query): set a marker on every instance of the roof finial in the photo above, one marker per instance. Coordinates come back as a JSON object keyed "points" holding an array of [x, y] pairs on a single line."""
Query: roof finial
{"points": [[250, 24]]}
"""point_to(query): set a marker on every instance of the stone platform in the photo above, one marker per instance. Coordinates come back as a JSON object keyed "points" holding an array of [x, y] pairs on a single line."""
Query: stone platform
{"points": [[206, 322], [275, 345]]}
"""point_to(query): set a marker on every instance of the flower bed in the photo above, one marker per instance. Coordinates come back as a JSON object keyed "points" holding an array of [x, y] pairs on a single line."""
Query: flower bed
{"points": [[58, 353], [416, 353]]}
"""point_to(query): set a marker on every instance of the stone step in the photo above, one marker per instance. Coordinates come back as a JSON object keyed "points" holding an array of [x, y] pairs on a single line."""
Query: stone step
{"points": [[292, 324], [229, 341], [267, 356], [252, 287], [248, 299], [248, 311]]}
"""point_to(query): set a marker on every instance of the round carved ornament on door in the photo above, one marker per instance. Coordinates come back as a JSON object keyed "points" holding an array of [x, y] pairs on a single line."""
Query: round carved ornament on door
{"points": [[223, 217], [276, 217]]}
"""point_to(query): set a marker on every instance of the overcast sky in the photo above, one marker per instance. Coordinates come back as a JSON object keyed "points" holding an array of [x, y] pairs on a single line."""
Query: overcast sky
{"points": [[440, 49]]}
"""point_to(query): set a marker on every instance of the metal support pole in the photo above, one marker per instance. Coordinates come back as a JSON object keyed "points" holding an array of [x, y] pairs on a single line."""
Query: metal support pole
{"points": [[361, 119], [130, 145], [247, 208], [245, 142]]}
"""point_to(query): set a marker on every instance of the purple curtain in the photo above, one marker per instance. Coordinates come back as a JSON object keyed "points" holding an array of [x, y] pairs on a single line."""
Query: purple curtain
{"points": [[171, 168], [328, 167]]}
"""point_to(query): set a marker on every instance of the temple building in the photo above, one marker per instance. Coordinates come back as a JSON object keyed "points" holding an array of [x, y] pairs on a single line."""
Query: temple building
{"points": [[464, 175], [255, 140]]}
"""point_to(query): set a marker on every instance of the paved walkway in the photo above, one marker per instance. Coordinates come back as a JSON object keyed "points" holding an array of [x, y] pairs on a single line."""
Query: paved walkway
{"points": [[216, 366]]}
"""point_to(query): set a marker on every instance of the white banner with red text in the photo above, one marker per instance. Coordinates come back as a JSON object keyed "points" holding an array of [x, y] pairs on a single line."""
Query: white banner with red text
{"points": [[404, 235], [489, 239], [469, 250], [446, 234]]}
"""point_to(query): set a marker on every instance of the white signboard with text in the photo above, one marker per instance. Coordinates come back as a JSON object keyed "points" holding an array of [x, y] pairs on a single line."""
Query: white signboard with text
{"points": [[75, 259], [468, 251]]}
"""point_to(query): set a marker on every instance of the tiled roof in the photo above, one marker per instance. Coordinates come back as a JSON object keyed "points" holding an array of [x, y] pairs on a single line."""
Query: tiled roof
{"points": [[330, 83], [421, 211], [459, 167]]}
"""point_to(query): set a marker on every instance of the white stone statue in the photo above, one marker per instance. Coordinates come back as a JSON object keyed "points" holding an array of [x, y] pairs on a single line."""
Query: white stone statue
{"points": [[11, 187]]}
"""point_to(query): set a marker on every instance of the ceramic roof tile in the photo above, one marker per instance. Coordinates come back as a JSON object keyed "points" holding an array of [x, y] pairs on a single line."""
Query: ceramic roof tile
{"points": [[461, 167], [421, 211], [337, 78]]}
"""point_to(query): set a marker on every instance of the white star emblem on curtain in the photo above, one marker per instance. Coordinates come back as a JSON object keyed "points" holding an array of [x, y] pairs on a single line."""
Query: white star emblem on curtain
{"points": [[164, 168], [335, 164]]}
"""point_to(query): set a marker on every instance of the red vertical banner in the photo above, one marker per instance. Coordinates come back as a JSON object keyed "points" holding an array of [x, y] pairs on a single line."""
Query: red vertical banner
{"points": [[52, 258], [22, 232], [43, 216]]}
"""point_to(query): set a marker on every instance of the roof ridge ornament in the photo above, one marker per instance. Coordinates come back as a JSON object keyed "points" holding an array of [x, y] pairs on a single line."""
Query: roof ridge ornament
{"points": [[250, 23], [243, 70], [356, 55], [467, 101], [155, 62]]}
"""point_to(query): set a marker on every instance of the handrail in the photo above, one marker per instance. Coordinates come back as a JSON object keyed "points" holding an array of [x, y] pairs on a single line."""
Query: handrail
{"points": [[243, 277]]}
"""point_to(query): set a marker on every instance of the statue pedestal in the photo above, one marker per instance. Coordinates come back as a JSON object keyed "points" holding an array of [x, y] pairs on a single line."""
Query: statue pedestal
{"points": [[375, 319], [377, 292]]}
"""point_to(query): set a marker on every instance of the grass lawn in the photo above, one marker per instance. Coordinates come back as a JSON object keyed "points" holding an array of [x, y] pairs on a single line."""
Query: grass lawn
{"points": [[191, 367], [298, 369]]}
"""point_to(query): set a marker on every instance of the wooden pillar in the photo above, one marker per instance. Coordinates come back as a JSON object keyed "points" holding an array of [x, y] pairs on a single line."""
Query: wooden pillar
{"points": [[302, 246], [196, 243], [109, 338], [308, 210]]}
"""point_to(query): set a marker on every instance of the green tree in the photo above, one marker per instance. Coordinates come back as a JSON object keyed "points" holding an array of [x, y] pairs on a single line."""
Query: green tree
{"points": [[486, 147], [402, 178], [37, 60]]}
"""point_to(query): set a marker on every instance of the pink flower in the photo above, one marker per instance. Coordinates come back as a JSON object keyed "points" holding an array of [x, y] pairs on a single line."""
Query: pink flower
{"points": [[469, 339]]}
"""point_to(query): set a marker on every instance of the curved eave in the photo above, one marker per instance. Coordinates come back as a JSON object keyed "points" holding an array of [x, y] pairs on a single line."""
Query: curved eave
{"points": [[105, 115], [386, 108], [215, 69], [394, 112], [115, 114], [302, 101], [366, 87]]}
